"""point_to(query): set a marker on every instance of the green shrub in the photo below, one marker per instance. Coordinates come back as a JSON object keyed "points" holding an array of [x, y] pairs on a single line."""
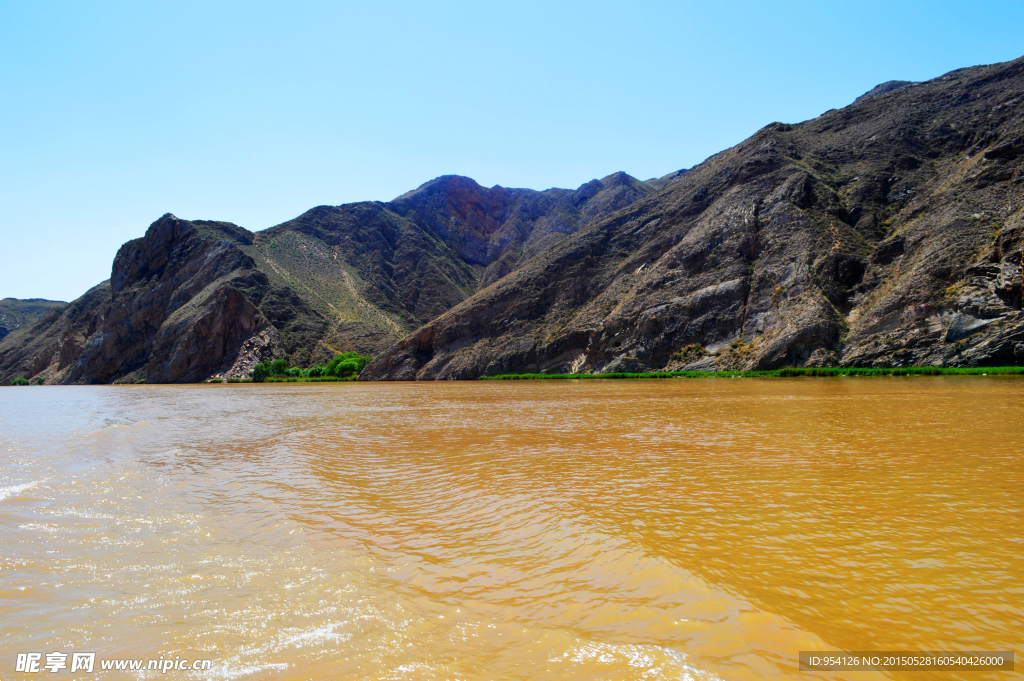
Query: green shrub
{"points": [[215, 380], [344, 366], [20, 381], [40, 380], [259, 373], [347, 364]]}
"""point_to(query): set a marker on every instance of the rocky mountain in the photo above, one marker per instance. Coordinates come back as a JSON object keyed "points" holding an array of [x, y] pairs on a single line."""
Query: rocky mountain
{"points": [[178, 307], [195, 299], [16, 313], [887, 233], [377, 271], [48, 346], [884, 88]]}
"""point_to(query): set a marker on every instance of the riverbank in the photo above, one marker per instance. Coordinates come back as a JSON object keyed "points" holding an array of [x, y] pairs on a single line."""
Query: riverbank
{"points": [[780, 373], [287, 379]]}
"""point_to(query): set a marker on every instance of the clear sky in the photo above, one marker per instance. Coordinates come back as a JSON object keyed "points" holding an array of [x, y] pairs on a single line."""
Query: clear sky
{"points": [[113, 113]]}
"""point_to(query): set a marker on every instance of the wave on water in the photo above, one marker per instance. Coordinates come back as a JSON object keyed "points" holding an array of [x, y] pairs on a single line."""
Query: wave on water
{"points": [[230, 671], [317, 636], [655, 660], [234, 667], [15, 490]]}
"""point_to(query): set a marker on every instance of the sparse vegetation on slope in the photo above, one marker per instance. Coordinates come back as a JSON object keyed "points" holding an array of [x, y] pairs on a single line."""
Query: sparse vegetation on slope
{"points": [[886, 234], [193, 300], [16, 313]]}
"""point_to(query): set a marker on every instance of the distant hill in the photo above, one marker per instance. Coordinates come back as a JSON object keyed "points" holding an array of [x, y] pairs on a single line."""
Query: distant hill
{"points": [[16, 313]]}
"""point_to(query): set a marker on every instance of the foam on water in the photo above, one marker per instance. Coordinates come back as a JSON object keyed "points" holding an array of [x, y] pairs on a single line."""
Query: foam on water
{"points": [[15, 490]]}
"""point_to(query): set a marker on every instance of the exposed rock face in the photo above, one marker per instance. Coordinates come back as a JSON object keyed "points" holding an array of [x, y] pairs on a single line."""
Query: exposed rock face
{"points": [[180, 306], [497, 228], [888, 233], [207, 339], [183, 304], [52, 343], [158, 282]]}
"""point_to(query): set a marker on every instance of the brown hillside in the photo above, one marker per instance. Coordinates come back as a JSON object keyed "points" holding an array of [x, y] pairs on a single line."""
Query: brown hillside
{"points": [[887, 233], [191, 300]]}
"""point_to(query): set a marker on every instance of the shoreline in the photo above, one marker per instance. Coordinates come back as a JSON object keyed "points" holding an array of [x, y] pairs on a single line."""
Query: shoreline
{"points": [[823, 372], [288, 379], [819, 372]]}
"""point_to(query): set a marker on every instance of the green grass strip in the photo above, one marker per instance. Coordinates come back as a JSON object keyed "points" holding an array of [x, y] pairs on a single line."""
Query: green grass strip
{"points": [[290, 379], [308, 379], [779, 373]]}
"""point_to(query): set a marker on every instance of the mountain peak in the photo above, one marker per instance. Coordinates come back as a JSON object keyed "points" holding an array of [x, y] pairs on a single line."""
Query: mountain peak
{"points": [[442, 183], [884, 88]]}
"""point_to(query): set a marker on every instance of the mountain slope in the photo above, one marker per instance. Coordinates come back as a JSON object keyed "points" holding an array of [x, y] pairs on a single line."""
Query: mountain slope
{"points": [[377, 271], [183, 302], [885, 233], [16, 313], [194, 299], [50, 344]]}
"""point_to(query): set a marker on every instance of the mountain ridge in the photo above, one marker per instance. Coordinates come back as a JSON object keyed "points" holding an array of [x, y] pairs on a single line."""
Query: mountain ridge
{"points": [[194, 299], [840, 240], [886, 233], [18, 312]]}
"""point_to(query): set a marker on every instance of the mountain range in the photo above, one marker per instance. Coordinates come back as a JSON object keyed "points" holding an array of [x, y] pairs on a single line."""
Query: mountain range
{"points": [[886, 233]]}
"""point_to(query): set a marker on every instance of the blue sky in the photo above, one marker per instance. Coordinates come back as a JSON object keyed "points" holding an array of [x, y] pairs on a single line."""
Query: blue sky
{"points": [[114, 113]]}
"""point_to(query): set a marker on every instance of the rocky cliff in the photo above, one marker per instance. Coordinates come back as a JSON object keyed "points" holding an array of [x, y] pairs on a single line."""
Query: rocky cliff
{"points": [[50, 344], [887, 233], [183, 303]]}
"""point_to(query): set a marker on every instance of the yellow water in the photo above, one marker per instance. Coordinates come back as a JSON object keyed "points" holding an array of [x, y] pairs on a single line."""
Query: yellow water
{"points": [[683, 529]]}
